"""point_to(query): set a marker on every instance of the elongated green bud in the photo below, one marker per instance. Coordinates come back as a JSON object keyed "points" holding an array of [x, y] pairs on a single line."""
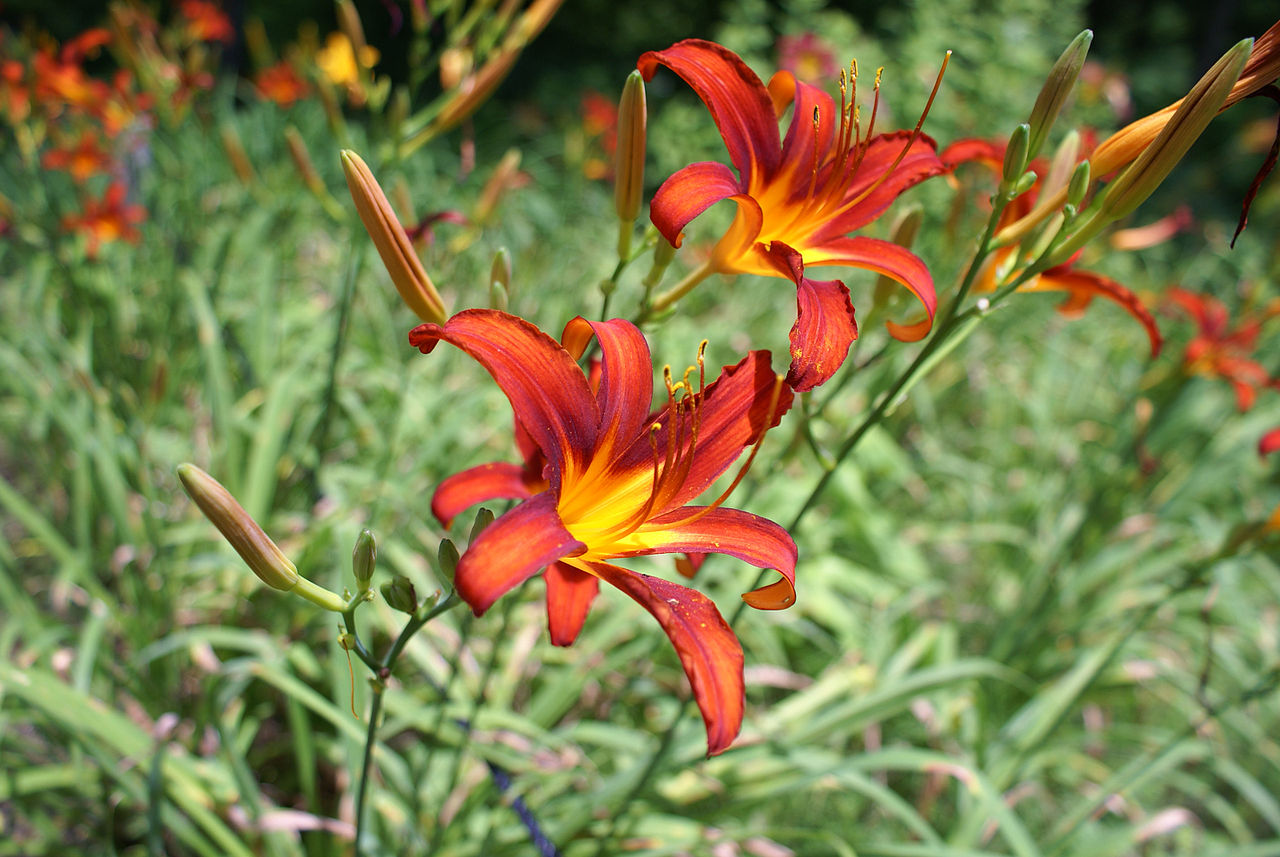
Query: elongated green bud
{"points": [[1062, 77], [1015, 155], [483, 519], [628, 187], [1025, 183], [664, 252], [1193, 115], [255, 547], [363, 559], [500, 280], [1079, 184], [448, 558], [400, 594]]}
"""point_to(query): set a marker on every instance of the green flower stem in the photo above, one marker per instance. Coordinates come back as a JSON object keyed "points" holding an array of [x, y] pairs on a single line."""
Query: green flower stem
{"points": [[381, 671], [379, 687], [667, 299]]}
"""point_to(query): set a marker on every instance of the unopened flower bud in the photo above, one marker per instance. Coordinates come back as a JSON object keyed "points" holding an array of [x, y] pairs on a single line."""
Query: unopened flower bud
{"points": [[363, 559], [1015, 154], [1193, 115], [483, 519], [255, 547], [349, 22], [500, 280], [505, 176], [1062, 77], [1025, 183], [400, 594], [664, 252], [448, 558], [455, 65], [380, 221], [236, 154], [1079, 184], [302, 160], [1063, 164], [628, 188]]}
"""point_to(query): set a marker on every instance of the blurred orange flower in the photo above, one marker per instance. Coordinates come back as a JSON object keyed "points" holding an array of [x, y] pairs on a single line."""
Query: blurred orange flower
{"points": [[1223, 351], [281, 84], [205, 22], [108, 219], [82, 160]]}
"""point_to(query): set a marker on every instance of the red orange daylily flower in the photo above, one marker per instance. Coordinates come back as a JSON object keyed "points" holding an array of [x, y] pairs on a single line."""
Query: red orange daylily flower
{"points": [[205, 22], [798, 199], [1222, 351], [282, 84], [108, 219], [1081, 286], [615, 482], [82, 160]]}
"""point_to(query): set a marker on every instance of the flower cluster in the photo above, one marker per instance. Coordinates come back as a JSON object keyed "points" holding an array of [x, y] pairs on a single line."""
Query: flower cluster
{"points": [[607, 474]]}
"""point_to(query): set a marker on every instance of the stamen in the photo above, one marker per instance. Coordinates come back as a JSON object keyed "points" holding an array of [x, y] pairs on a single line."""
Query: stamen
{"points": [[778, 381], [915, 135], [813, 161]]}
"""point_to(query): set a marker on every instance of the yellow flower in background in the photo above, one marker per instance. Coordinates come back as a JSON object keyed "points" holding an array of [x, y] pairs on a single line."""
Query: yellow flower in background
{"points": [[340, 62]]}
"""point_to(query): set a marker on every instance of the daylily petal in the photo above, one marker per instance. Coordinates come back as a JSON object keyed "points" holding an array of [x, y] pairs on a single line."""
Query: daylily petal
{"points": [[547, 390], [625, 396], [688, 193], [708, 649], [688, 564], [735, 533], [569, 595], [737, 100], [512, 549], [1088, 283], [813, 123], [989, 153], [475, 485], [889, 259], [822, 334], [824, 328], [873, 188]]}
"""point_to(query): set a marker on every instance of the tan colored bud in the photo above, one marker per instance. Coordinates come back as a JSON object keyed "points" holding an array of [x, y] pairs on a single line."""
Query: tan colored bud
{"points": [[255, 547], [302, 160], [402, 263], [1061, 80], [1132, 140], [236, 155], [349, 22], [455, 64], [505, 176], [1188, 122]]}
